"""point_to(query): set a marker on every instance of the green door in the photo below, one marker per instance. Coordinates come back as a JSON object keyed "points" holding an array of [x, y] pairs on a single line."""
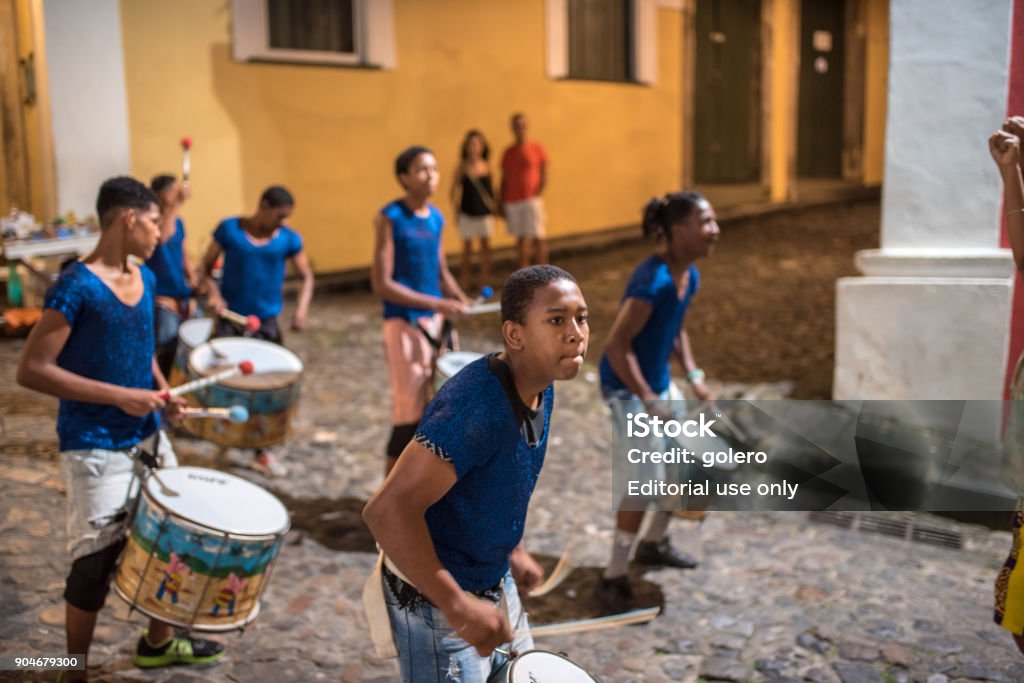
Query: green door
{"points": [[820, 133], [727, 92]]}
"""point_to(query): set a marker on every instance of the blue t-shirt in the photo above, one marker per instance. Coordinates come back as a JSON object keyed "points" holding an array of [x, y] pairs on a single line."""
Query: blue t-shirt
{"points": [[479, 521], [254, 275], [167, 264], [417, 243], [652, 282], [110, 342]]}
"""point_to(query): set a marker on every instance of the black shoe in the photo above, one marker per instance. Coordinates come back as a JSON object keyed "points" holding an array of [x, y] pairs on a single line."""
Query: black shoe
{"points": [[178, 649], [662, 554], [614, 595]]}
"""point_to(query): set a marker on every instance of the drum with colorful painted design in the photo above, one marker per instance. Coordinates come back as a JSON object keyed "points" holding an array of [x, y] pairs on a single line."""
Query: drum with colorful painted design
{"points": [[270, 393], [201, 548]]}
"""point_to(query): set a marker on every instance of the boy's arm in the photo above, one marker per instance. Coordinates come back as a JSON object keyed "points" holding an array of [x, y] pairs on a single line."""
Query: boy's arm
{"points": [[449, 285], [396, 517], [301, 316], [168, 222], [456, 192], [384, 284], [190, 272], [213, 298], [38, 370], [685, 353], [630, 320]]}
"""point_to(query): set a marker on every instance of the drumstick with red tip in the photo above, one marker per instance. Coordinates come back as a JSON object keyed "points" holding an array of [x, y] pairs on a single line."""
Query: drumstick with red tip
{"points": [[243, 368], [186, 166], [236, 414], [250, 322]]}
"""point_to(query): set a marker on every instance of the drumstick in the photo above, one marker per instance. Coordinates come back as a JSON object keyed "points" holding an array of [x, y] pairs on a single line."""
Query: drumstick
{"points": [[485, 294], [234, 414], [243, 368], [186, 166], [250, 322]]}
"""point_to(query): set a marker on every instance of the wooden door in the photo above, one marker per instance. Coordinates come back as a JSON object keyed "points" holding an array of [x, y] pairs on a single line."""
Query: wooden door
{"points": [[14, 177], [820, 119], [727, 93]]}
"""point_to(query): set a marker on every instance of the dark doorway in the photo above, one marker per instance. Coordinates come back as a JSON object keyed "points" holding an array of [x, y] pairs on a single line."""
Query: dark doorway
{"points": [[727, 91], [822, 48]]}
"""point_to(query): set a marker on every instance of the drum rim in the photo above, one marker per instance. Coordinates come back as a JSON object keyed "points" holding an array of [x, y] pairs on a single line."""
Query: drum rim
{"points": [[200, 526], [518, 658], [259, 342]]}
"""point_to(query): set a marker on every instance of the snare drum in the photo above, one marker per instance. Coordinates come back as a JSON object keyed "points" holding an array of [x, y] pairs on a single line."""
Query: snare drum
{"points": [[542, 666], [450, 363], [191, 334], [270, 394], [201, 548]]}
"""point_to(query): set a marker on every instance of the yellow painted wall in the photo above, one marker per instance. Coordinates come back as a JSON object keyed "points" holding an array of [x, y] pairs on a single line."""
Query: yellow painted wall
{"points": [[876, 81], [330, 133]]}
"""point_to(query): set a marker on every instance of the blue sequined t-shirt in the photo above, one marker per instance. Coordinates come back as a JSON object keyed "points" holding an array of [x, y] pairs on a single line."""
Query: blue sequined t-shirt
{"points": [[254, 273], [417, 241], [168, 265], [110, 342], [652, 282], [479, 521]]}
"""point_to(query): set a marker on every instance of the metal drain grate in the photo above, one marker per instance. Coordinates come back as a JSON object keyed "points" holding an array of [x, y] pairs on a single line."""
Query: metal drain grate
{"points": [[896, 525]]}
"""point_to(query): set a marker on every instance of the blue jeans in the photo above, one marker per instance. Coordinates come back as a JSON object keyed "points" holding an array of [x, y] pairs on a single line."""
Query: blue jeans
{"points": [[428, 651]]}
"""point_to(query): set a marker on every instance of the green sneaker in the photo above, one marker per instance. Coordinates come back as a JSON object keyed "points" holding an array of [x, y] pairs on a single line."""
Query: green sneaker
{"points": [[178, 649]]}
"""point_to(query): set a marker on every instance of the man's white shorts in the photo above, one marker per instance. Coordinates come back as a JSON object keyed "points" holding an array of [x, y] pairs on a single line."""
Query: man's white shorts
{"points": [[526, 218]]}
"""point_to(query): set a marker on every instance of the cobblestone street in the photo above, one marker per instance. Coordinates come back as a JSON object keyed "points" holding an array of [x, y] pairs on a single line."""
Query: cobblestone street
{"points": [[777, 597]]}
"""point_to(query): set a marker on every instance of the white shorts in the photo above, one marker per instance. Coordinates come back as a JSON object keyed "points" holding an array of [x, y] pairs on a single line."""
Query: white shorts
{"points": [[102, 486], [526, 218], [474, 227]]}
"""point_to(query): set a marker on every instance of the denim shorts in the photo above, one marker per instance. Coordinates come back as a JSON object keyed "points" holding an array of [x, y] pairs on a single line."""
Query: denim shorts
{"points": [[429, 652]]}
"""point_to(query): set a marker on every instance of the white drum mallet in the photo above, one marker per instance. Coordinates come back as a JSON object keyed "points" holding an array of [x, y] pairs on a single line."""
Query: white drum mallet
{"points": [[250, 322], [235, 414], [186, 165], [243, 368]]}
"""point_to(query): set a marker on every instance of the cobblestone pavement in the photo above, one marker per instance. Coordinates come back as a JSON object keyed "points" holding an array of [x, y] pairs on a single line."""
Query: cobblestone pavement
{"points": [[776, 597]]}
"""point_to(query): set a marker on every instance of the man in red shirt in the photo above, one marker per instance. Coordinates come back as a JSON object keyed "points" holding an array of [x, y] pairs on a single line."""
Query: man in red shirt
{"points": [[523, 176]]}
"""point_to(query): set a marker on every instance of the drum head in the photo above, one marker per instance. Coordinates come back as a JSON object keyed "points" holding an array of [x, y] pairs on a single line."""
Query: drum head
{"points": [[540, 666], [219, 501], [273, 366], [194, 332], [450, 363]]}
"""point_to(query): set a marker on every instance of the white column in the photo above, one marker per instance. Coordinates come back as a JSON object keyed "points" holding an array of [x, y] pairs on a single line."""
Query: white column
{"points": [[930, 316], [85, 65]]}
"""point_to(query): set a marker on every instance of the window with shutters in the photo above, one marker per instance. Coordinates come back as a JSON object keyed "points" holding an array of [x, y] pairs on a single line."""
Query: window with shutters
{"points": [[601, 40], [343, 32]]}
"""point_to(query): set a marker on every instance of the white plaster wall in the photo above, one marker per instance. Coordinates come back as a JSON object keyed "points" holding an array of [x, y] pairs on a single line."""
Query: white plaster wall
{"points": [[947, 93], [921, 338], [85, 66]]}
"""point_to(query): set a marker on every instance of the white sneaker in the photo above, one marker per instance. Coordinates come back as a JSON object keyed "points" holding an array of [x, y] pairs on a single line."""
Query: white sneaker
{"points": [[267, 464]]}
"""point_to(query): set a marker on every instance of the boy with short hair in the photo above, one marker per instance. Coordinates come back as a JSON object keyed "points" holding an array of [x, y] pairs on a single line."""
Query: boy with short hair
{"points": [[256, 249], [93, 349], [450, 516]]}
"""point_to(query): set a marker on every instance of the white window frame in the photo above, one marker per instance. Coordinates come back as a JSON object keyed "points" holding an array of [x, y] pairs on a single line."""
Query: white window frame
{"points": [[374, 39], [645, 39]]}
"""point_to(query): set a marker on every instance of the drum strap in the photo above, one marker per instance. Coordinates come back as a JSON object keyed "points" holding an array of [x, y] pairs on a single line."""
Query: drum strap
{"points": [[377, 612]]}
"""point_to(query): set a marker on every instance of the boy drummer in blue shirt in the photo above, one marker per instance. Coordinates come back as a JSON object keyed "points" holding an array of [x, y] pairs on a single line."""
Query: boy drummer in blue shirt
{"points": [[450, 516], [93, 349], [256, 249]]}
